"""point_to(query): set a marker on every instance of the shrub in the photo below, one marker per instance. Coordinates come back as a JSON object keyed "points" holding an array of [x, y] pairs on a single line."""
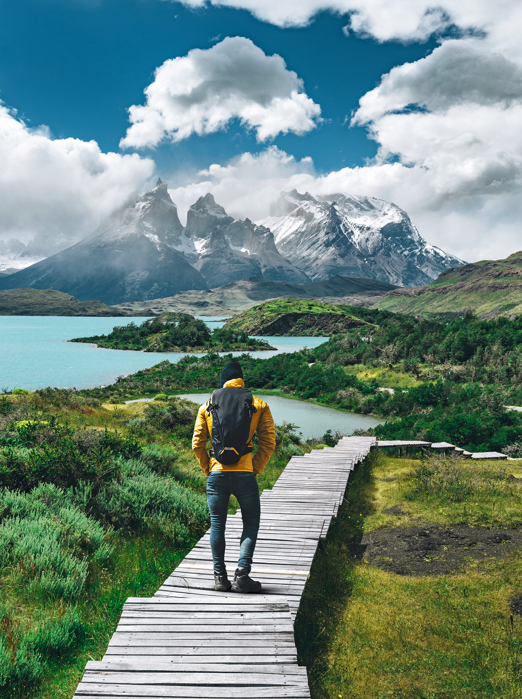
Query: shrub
{"points": [[25, 648], [159, 458], [38, 452], [166, 417], [161, 396], [47, 541], [143, 497]]}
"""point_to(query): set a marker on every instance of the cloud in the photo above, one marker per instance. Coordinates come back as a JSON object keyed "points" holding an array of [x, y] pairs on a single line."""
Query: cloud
{"points": [[202, 92], [386, 20], [248, 184], [57, 191], [456, 73], [466, 139]]}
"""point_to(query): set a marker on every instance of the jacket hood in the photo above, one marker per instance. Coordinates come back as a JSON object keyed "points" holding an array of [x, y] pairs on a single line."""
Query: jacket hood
{"points": [[235, 383]]}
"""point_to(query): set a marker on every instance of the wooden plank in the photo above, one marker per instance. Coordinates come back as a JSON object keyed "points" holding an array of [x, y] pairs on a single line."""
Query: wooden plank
{"points": [[147, 665], [194, 679], [137, 653], [94, 691]]}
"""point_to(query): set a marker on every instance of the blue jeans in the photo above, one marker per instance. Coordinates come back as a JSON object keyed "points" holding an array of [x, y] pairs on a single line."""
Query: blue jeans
{"points": [[220, 486]]}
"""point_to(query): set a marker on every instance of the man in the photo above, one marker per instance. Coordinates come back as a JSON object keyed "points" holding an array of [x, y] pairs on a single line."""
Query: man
{"points": [[237, 479]]}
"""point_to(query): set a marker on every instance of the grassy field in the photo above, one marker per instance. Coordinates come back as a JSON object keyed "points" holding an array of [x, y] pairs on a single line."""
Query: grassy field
{"points": [[366, 633], [389, 378]]}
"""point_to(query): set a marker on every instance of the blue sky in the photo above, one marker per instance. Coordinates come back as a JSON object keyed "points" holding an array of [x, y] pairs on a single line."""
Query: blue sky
{"points": [[392, 99], [77, 67]]}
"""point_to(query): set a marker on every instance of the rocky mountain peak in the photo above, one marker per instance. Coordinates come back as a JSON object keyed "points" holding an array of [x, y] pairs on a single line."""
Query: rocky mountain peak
{"points": [[353, 236], [204, 215]]}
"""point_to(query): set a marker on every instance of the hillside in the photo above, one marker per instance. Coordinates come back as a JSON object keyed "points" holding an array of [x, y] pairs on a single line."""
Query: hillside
{"points": [[295, 317], [175, 332], [47, 302], [238, 296], [490, 288]]}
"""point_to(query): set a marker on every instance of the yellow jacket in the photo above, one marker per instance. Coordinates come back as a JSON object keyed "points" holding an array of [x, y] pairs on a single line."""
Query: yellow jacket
{"points": [[262, 422]]}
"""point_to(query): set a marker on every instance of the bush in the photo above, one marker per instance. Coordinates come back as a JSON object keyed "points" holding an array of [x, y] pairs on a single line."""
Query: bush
{"points": [[47, 541], [159, 458], [142, 498], [25, 648], [40, 452], [161, 396], [164, 418]]}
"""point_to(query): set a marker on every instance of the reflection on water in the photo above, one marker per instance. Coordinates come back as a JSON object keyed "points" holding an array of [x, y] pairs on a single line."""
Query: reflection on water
{"points": [[34, 352], [313, 419]]}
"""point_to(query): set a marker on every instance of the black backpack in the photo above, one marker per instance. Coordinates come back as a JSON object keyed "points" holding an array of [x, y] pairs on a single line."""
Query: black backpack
{"points": [[231, 409]]}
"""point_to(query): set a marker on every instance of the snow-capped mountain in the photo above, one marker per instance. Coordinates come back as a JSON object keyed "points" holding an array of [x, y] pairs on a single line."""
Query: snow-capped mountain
{"points": [[228, 250], [354, 236], [145, 252], [133, 258]]}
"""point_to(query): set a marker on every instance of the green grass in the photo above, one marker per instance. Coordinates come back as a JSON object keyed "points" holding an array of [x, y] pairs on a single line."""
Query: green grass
{"points": [[266, 313], [390, 378], [368, 634], [138, 566]]}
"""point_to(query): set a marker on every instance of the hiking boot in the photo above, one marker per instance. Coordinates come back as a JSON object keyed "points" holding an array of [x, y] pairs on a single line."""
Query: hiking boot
{"points": [[221, 582], [243, 582]]}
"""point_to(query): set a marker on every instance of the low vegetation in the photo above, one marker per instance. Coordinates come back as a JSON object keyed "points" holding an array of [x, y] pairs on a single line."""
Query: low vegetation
{"points": [[175, 332], [489, 289], [367, 633], [297, 317], [98, 502], [48, 302], [449, 382]]}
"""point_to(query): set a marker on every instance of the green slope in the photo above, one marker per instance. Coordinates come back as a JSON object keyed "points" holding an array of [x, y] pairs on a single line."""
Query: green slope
{"points": [[48, 302], [298, 317], [490, 288]]}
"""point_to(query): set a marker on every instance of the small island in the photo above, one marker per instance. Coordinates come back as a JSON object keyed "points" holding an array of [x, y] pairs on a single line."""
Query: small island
{"points": [[175, 332]]}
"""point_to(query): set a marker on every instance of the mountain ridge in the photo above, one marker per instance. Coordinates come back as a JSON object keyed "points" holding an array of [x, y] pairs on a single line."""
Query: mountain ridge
{"points": [[145, 253], [353, 236], [489, 288], [236, 297]]}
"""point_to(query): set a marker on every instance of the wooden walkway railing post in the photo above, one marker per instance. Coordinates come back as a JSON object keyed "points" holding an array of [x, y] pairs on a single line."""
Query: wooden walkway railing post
{"points": [[189, 641]]}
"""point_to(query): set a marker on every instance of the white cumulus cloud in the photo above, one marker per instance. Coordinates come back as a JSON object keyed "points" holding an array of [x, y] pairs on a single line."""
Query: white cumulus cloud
{"points": [[248, 184], [58, 190], [387, 20], [202, 92], [456, 73]]}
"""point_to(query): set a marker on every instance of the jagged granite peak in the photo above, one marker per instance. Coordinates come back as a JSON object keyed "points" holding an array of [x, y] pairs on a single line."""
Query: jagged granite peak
{"points": [[153, 215], [353, 236], [241, 248], [133, 258], [204, 215]]}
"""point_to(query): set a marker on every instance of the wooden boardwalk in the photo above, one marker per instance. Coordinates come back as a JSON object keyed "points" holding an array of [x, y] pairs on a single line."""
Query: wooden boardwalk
{"points": [[189, 641]]}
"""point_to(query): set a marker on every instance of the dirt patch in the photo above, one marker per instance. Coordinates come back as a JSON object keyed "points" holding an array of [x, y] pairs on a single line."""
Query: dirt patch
{"points": [[396, 511], [433, 551], [516, 606]]}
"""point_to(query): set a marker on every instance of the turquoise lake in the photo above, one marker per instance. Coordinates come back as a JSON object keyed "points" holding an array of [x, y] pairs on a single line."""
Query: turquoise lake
{"points": [[34, 352]]}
